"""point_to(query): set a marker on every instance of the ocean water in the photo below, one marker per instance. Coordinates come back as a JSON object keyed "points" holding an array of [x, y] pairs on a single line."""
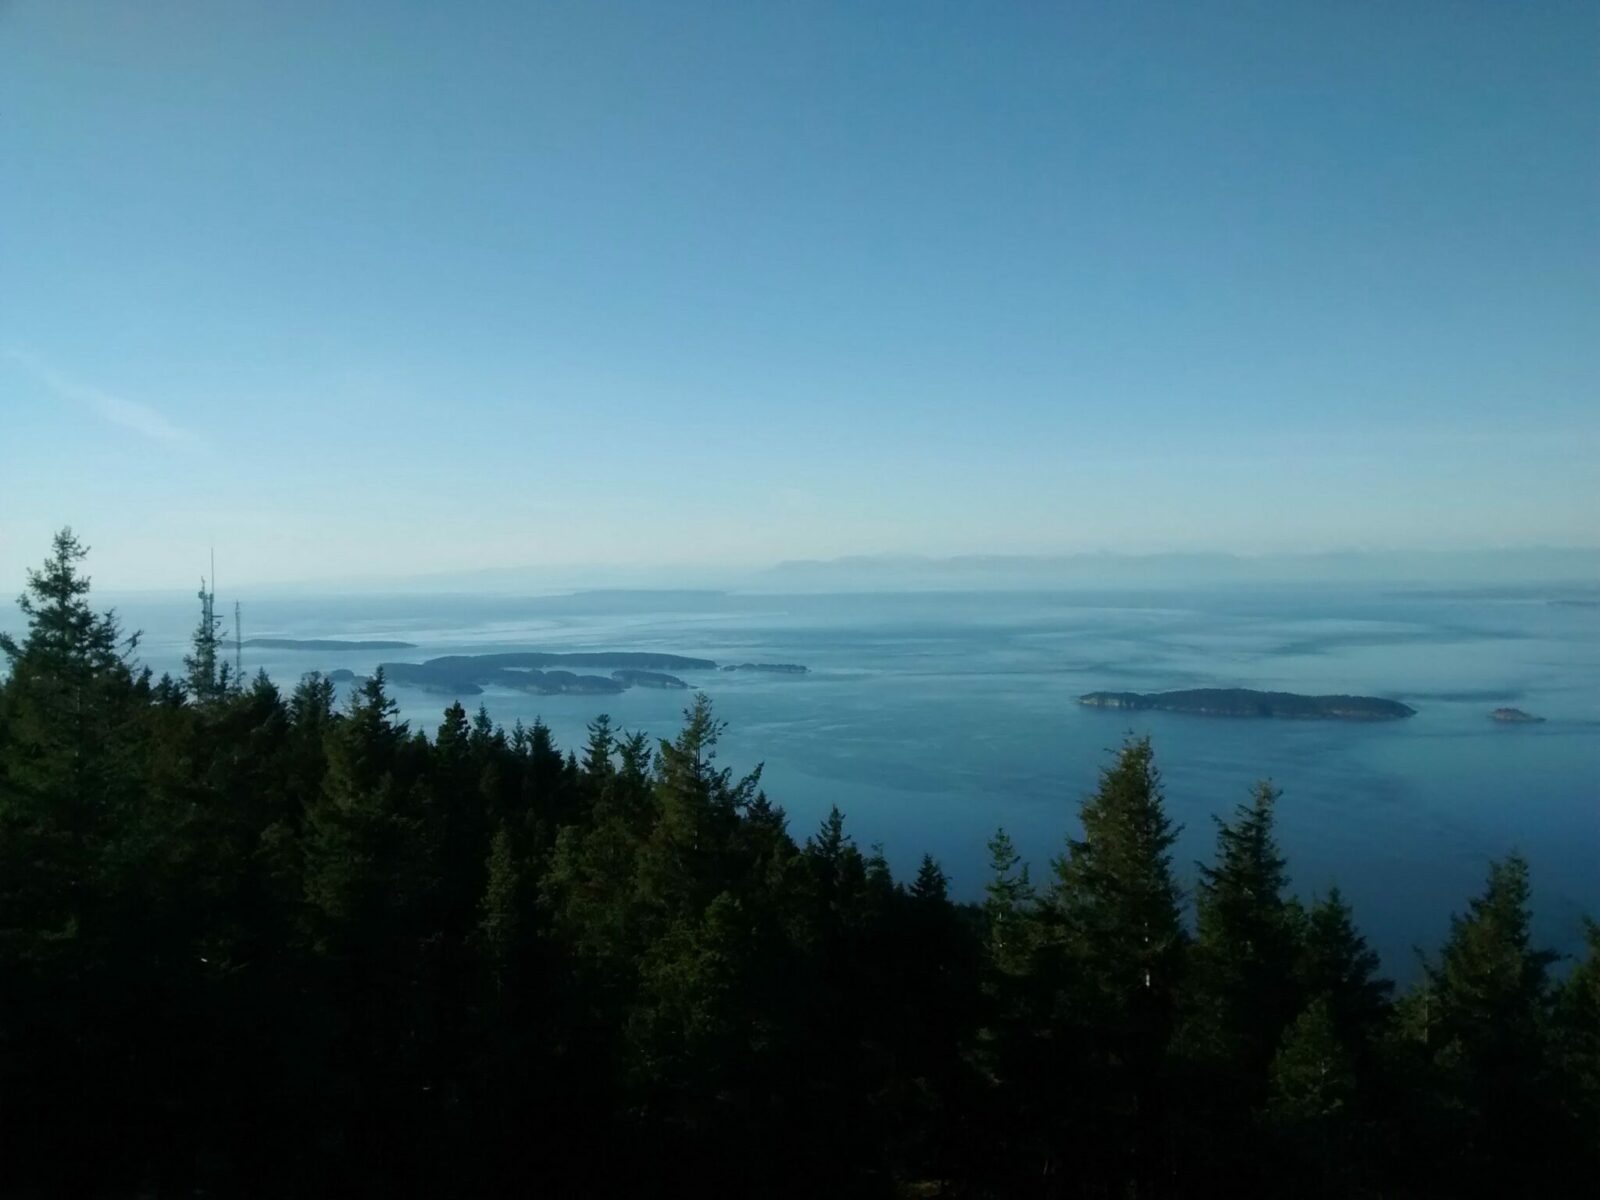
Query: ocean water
{"points": [[932, 718]]}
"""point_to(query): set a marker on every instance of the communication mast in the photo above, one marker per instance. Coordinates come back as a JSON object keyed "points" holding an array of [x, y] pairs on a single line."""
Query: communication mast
{"points": [[238, 648], [203, 666], [208, 609]]}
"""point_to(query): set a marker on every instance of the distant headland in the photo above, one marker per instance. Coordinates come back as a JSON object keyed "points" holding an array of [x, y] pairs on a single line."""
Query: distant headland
{"points": [[1243, 702]]}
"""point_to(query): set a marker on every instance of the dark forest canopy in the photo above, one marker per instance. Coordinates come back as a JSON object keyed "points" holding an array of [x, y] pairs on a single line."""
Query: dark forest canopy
{"points": [[256, 943]]}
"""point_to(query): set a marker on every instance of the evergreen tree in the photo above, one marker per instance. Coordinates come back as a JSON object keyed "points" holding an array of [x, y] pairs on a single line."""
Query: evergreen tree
{"points": [[681, 866], [73, 853], [69, 703], [1114, 899], [1114, 921], [1577, 1031], [1023, 1072], [1312, 1089], [546, 801], [1008, 908], [930, 885], [499, 926], [1244, 951], [599, 769], [1335, 962], [1485, 1024]]}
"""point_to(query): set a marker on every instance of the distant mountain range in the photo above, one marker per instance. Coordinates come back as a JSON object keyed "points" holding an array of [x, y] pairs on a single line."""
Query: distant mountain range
{"points": [[1575, 568], [1577, 571]]}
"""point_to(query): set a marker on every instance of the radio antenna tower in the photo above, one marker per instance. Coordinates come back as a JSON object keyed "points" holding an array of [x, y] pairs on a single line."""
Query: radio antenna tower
{"points": [[203, 666], [238, 649]]}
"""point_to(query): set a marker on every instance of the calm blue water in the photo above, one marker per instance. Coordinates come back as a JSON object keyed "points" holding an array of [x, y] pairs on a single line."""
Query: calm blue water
{"points": [[931, 718]]}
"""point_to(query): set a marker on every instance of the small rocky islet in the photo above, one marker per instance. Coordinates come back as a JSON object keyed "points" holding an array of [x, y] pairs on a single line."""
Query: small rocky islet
{"points": [[1514, 716]]}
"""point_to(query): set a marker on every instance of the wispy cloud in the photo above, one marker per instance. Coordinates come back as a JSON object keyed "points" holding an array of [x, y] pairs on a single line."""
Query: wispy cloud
{"points": [[118, 410]]}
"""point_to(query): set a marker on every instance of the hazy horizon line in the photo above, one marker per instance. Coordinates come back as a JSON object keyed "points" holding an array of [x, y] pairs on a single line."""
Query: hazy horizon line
{"points": [[1545, 564]]}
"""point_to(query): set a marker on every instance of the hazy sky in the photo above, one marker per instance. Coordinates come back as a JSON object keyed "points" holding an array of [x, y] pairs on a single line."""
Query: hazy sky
{"points": [[390, 287]]}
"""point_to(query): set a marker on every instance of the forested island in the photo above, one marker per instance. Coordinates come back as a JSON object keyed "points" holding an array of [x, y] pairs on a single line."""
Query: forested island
{"points": [[530, 671], [542, 673], [648, 679], [262, 943], [538, 672], [470, 681], [1243, 702]]}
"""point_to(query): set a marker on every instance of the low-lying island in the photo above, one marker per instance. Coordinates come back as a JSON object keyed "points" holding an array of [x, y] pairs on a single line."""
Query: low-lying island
{"points": [[1244, 702]]}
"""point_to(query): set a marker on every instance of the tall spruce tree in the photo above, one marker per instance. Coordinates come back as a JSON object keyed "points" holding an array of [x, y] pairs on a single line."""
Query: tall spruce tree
{"points": [[69, 704], [1008, 908], [930, 886], [76, 852], [1334, 961], [1114, 902], [1244, 951], [1114, 915], [1486, 1026]]}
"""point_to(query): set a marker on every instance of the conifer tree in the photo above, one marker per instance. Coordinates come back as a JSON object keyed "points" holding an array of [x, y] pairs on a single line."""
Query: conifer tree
{"points": [[68, 712], [363, 836], [599, 769], [1008, 907], [1335, 962], [499, 925], [696, 805], [1244, 951], [1114, 902], [930, 886], [1577, 1032], [1020, 1065], [75, 848], [1312, 1090], [1485, 1023], [1114, 921]]}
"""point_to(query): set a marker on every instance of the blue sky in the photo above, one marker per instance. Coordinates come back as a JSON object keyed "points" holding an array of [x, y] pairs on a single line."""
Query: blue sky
{"points": [[350, 289]]}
